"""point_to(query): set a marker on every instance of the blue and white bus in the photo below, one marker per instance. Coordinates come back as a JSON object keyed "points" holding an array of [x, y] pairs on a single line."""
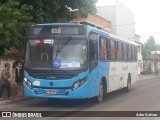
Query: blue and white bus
{"points": [[75, 61]]}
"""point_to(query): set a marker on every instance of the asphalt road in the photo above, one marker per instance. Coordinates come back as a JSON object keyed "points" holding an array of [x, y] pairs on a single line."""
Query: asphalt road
{"points": [[144, 96]]}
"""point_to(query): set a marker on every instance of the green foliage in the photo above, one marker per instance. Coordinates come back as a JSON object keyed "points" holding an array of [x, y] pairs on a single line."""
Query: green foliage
{"points": [[46, 11], [144, 52], [17, 15], [150, 45], [13, 23]]}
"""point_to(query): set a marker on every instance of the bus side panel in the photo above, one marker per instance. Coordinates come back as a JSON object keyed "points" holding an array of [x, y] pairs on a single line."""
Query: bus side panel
{"points": [[133, 72], [93, 76], [119, 72], [102, 70], [134, 76], [116, 74]]}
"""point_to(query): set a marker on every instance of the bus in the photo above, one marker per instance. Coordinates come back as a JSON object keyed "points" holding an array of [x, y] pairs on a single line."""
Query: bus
{"points": [[77, 61]]}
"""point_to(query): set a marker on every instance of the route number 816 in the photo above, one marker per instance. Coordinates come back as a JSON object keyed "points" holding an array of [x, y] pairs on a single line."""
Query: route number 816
{"points": [[56, 30]]}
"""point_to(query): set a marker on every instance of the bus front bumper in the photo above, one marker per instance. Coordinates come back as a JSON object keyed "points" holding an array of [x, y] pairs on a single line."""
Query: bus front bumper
{"points": [[60, 93]]}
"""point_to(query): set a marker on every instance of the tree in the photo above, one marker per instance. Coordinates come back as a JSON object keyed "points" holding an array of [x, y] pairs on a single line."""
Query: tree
{"points": [[17, 15], [144, 52], [150, 45], [13, 23], [158, 47], [46, 11]]}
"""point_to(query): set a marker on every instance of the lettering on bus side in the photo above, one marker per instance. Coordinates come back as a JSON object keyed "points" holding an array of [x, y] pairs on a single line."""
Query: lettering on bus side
{"points": [[113, 69], [125, 68]]}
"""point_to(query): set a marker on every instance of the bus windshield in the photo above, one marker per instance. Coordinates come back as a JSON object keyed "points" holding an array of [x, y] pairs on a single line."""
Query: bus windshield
{"points": [[51, 54]]}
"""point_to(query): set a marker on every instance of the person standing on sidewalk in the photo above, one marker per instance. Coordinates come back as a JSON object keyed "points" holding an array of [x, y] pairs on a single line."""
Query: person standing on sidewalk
{"points": [[5, 81], [18, 75]]}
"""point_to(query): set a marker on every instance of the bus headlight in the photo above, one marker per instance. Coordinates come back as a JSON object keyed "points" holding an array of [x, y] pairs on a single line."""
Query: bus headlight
{"points": [[25, 79], [28, 83], [78, 84]]}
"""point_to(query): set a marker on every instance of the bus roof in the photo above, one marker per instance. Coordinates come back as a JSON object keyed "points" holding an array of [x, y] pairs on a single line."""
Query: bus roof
{"points": [[48, 24], [91, 28], [112, 36], [123, 39]]}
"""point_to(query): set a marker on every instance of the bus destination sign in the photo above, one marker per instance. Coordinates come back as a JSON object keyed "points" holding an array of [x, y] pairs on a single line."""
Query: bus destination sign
{"points": [[55, 30]]}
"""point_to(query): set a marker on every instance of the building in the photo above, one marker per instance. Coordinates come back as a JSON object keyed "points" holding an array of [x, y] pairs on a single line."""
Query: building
{"points": [[96, 21], [118, 20], [154, 57], [122, 19], [139, 51]]}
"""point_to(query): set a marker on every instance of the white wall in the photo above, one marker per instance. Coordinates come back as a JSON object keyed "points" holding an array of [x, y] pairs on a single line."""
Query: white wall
{"points": [[122, 19], [108, 13], [124, 22], [152, 66], [140, 61]]}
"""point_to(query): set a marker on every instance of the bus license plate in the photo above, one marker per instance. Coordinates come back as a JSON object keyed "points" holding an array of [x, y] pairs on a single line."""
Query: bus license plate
{"points": [[51, 92]]}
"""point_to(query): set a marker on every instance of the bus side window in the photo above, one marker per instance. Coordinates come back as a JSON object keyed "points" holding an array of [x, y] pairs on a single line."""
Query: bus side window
{"points": [[113, 53], [103, 48], [130, 59], [125, 51], [108, 49], [132, 53], [119, 51], [93, 49], [135, 53]]}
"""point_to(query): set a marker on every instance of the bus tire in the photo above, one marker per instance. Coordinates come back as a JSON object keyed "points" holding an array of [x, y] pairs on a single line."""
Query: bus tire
{"points": [[128, 88], [102, 94]]}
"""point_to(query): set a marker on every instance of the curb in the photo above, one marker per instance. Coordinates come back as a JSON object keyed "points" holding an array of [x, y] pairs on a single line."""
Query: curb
{"points": [[149, 77], [14, 100]]}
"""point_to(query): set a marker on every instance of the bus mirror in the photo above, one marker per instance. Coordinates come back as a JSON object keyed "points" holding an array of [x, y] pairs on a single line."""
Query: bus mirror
{"points": [[84, 49]]}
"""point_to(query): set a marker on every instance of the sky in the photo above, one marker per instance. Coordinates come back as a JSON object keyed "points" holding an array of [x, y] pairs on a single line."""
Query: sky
{"points": [[146, 14]]}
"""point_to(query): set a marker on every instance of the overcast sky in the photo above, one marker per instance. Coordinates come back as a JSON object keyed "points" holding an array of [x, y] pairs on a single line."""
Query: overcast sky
{"points": [[147, 16]]}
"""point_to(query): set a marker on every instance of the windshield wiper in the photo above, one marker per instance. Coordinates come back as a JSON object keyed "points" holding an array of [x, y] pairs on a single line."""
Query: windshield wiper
{"points": [[60, 47], [57, 50]]}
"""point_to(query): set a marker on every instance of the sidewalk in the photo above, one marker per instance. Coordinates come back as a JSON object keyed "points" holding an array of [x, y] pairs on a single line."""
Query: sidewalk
{"points": [[9, 101], [147, 76], [14, 97]]}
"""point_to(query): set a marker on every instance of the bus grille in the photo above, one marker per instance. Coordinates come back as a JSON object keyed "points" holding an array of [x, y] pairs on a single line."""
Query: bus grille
{"points": [[51, 75], [59, 92]]}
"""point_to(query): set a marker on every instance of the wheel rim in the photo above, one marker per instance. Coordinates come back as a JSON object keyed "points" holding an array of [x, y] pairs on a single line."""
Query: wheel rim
{"points": [[100, 97], [129, 85]]}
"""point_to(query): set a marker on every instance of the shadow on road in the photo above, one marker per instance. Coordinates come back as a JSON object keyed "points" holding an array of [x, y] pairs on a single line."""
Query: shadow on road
{"points": [[67, 103]]}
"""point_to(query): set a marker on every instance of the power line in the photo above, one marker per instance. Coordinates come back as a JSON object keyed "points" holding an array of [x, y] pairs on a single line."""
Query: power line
{"points": [[122, 25], [145, 35], [134, 24], [150, 34]]}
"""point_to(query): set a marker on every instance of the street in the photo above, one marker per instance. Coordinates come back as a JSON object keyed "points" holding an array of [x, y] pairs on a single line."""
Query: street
{"points": [[144, 96]]}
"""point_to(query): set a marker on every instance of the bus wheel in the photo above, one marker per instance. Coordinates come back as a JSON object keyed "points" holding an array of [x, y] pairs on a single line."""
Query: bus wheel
{"points": [[100, 97], [128, 88]]}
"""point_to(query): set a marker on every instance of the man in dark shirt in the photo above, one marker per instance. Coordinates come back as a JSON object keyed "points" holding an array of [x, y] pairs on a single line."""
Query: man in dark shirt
{"points": [[18, 69]]}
